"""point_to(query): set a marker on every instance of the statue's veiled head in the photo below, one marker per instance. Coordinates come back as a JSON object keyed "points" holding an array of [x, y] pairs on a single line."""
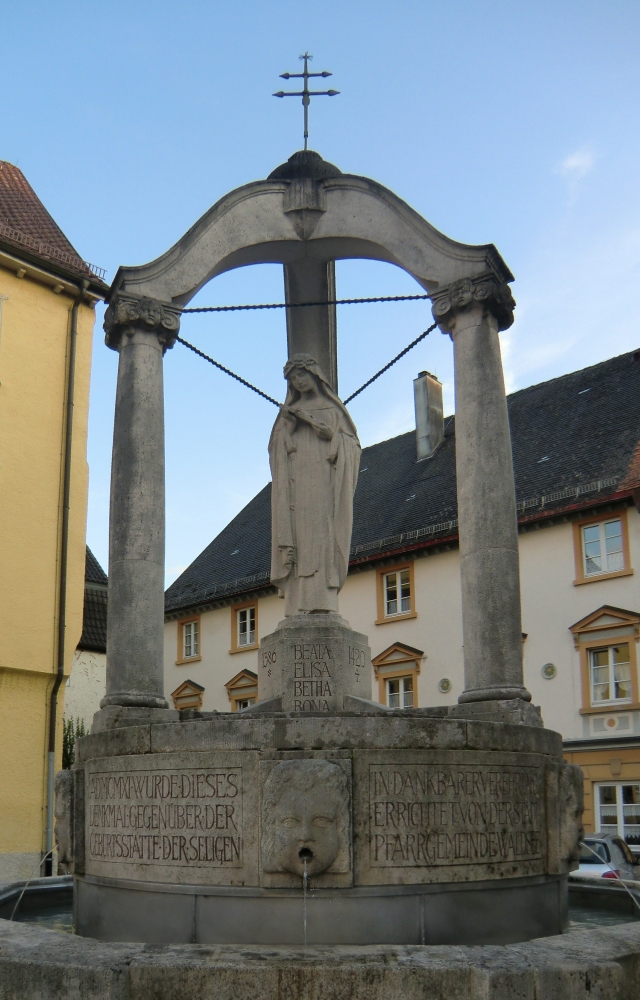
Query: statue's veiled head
{"points": [[303, 372], [305, 817]]}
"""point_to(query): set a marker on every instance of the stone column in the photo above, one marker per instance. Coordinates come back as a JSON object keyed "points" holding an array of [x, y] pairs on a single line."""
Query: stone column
{"points": [[140, 329], [472, 311], [312, 330]]}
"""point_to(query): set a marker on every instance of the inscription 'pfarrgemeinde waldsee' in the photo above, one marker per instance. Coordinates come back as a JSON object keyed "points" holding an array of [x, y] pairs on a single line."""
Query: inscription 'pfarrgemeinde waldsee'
{"points": [[453, 815], [181, 817]]}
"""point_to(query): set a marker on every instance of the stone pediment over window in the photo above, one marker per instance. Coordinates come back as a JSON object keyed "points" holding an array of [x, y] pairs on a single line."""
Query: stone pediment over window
{"points": [[188, 695], [395, 654], [397, 668], [608, 620], [242, 689]]}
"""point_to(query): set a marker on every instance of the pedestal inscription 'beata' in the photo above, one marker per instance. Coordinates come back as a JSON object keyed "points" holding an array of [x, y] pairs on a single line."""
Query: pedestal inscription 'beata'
{"points": [[160, 821], [312, 662]]}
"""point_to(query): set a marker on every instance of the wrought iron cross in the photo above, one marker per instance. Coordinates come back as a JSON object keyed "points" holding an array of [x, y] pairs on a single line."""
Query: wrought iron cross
{"points": [[306, 94]]}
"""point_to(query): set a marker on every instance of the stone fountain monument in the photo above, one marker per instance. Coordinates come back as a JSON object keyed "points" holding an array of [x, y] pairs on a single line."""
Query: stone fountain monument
{"points": [[423, 826]]}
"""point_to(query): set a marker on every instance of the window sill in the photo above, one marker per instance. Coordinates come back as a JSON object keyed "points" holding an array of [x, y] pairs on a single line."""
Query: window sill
{"points": [[602, 576], [615, 706], [189, 659], [245, 649], [396, 618]]}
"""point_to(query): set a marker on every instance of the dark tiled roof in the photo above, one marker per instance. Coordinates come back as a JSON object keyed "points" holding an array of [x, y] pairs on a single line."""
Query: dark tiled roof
{"points": [[575, 440], [93, 571], [25, 222], [94, 621], [94, 618]]}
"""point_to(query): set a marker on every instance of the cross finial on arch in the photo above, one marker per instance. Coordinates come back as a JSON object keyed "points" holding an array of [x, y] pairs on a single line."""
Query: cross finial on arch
{"points": [[305, 93]]}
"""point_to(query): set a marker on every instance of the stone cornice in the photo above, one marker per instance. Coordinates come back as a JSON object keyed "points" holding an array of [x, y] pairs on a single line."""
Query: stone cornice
{"points": [[494, 296], [131, 312]]}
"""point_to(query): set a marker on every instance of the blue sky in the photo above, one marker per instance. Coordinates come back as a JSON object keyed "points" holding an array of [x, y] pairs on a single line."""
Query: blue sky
{"points": [[505, 121]]}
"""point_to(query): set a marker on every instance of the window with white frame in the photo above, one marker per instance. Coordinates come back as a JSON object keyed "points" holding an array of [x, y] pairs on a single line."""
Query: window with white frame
{"points": [[400, 692], [610, 671], [246, 623], [618, 811], [602, 548], [190, 640], [243, 703], [397, 593]]}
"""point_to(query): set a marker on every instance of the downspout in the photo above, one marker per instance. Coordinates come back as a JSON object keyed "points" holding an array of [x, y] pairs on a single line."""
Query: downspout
{"points": [[62, 585]]}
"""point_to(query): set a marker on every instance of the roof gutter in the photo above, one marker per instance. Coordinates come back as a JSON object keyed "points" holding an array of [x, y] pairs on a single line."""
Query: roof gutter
{"points": [[62, 582]]}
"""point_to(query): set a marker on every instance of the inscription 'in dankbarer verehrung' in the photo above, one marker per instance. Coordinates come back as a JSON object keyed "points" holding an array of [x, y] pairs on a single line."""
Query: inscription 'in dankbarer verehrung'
{"points": [[453, 815]]}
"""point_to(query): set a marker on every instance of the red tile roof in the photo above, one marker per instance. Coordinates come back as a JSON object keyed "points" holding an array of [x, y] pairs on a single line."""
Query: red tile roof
{"points": [[25, 222]]}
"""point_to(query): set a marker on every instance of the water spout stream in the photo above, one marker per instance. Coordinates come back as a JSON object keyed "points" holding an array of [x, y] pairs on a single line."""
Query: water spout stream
{"points": [[305, 885]]}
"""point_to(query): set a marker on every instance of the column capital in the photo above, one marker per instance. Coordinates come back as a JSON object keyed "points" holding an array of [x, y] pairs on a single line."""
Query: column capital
{"points": [[127, 313], [486, 290]]}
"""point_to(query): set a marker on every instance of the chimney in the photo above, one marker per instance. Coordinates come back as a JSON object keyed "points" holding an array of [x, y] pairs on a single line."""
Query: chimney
{"points": [[427, 392]]}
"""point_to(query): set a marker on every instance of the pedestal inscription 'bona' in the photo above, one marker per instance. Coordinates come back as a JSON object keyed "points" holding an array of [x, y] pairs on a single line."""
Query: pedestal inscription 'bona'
{"points": [[312, 661], [161, 820], [453, 816]]}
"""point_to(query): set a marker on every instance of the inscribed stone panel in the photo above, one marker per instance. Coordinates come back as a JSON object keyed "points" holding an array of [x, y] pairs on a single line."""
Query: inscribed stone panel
{"points": [[185, 818], [429, 816]]}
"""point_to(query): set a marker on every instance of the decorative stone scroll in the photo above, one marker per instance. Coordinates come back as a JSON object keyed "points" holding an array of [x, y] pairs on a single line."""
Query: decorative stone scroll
{"points": [[457, 815], [183, 818], [494, 295], [130, 312]]}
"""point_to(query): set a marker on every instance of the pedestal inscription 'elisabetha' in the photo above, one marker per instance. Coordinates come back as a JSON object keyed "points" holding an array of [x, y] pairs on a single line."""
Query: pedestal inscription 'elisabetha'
{"points": [[312, 662], [185, 821]]}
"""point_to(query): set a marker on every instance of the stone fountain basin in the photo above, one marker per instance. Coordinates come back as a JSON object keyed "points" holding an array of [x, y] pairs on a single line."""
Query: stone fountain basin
{"points": [[130, 890], [602, 964]]}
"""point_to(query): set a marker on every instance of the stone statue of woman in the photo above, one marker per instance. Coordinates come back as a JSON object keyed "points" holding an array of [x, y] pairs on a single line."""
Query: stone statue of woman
{"points": [[314, 453]]}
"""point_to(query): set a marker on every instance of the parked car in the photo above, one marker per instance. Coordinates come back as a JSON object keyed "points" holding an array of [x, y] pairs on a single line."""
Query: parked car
{"points": [[604, 855]]}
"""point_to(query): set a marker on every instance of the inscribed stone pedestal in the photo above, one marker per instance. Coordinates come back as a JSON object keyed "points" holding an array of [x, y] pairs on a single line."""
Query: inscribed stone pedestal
{"points": [[312, 662]]}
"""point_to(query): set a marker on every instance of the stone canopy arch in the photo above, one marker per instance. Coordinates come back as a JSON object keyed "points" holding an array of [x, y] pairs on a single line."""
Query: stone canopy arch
{"points": [[306, 215], [307, 208]]}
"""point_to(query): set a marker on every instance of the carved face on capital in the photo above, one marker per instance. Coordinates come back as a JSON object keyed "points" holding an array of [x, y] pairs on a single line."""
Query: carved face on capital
{"points": [[150, 312], [305, 818]]}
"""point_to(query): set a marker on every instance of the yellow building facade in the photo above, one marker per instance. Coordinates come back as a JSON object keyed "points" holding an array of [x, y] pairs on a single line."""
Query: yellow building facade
{"points": [[47, 298]]}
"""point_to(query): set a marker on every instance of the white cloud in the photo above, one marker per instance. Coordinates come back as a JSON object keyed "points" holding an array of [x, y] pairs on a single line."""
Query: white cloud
{"points": [[577, 165]]}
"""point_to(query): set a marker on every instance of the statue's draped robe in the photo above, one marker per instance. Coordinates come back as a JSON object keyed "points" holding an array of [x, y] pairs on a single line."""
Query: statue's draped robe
{"points": [[312, 505]]}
